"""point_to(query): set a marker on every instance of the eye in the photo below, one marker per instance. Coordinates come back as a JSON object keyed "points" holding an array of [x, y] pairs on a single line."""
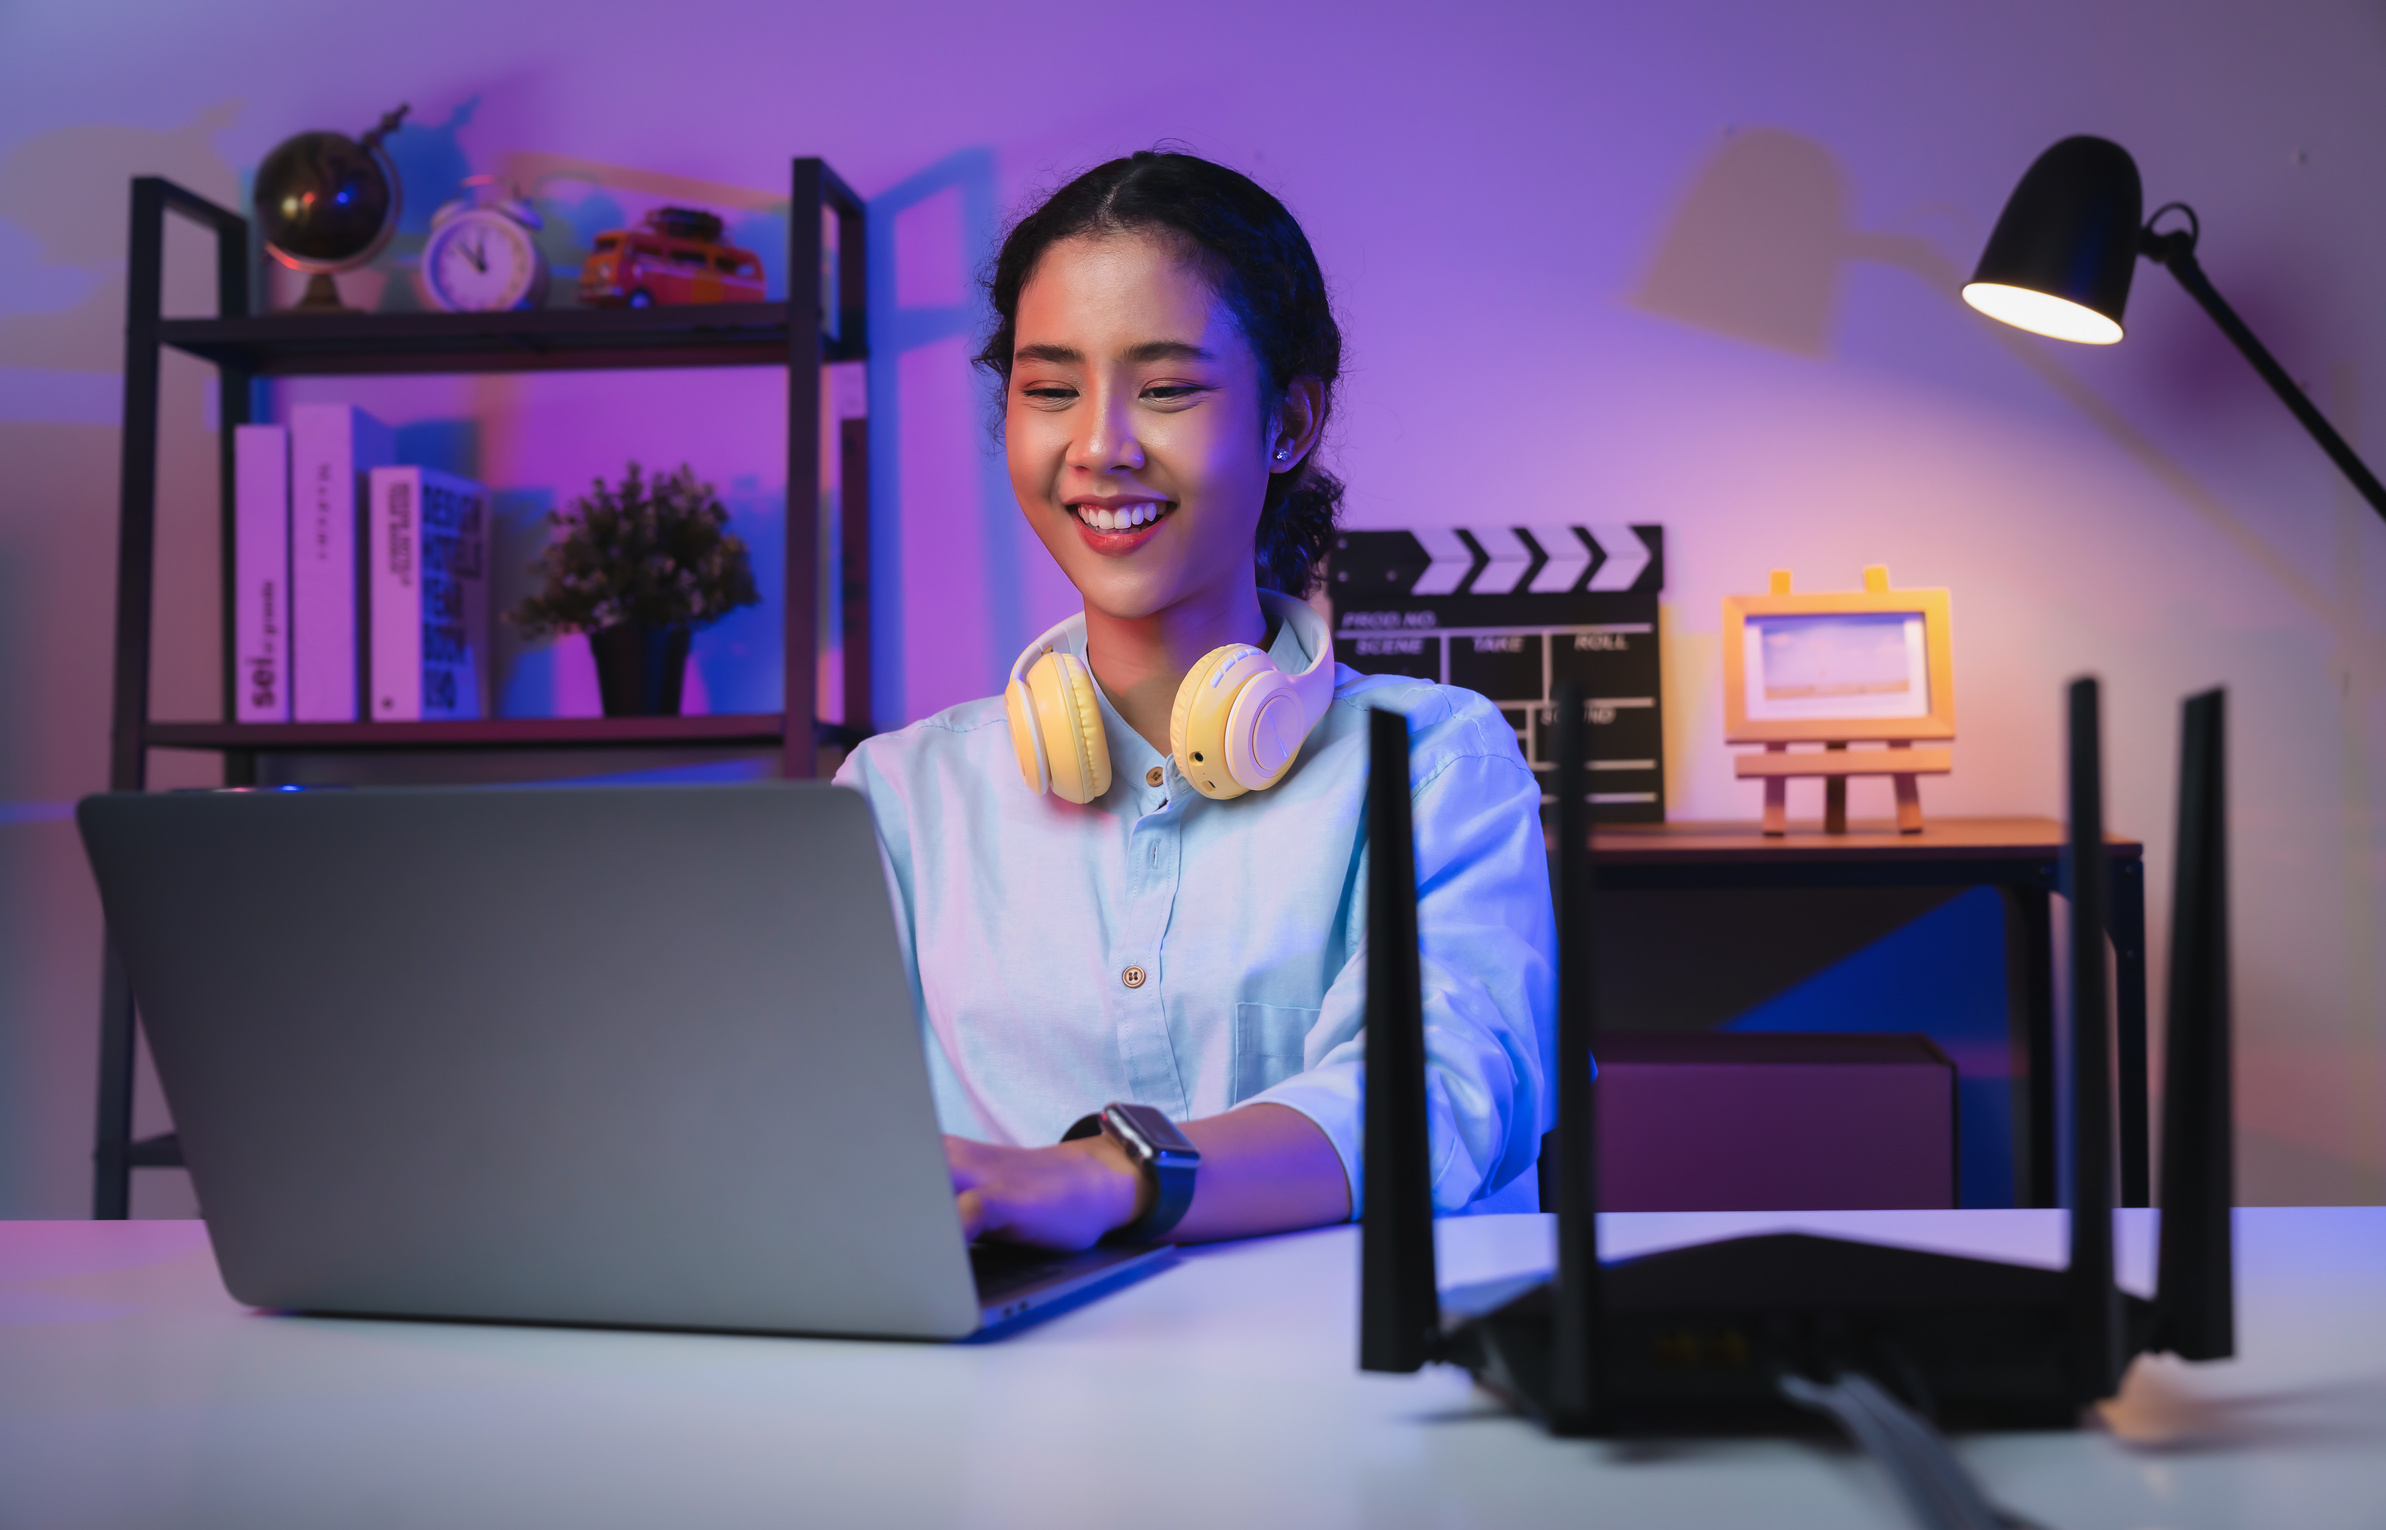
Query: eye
{"points": [[1172, 393], [1048, 393]]}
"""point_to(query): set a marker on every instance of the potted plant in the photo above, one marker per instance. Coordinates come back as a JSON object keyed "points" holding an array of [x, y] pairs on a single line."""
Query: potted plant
{"points": [[639, 567]]}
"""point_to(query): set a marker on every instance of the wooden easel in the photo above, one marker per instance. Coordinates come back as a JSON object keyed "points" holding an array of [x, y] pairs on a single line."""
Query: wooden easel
{"points": [[1835, 762]]}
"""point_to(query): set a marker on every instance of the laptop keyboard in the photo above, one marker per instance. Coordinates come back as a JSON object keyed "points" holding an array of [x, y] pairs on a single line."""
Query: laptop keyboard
{"points": [[1002, 1268]]}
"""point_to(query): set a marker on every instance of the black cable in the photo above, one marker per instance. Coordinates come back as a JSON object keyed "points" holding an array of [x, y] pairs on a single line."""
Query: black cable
{"points": [[1934, 1484]]}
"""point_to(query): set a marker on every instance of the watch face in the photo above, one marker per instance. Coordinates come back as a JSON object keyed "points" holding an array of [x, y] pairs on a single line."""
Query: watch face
{"points": [[1155, 1129], [480, 262]]}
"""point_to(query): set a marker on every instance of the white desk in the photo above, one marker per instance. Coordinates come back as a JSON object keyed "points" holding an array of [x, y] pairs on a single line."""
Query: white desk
{"points": [[1222, 1392]]}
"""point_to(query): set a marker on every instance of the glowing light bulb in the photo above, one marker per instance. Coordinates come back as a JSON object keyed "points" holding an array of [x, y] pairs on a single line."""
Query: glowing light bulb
{"points": [[2041, 313]]}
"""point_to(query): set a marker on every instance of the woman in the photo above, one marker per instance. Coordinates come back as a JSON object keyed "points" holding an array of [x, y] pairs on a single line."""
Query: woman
{"points": [[1127, 925]]}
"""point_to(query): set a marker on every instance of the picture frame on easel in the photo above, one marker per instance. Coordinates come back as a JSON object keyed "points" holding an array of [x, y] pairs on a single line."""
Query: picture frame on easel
{"points": [[1837, 668]]}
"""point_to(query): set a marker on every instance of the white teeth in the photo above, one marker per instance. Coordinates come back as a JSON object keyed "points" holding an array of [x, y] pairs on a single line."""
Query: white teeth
{"points": [[1141, 513]]}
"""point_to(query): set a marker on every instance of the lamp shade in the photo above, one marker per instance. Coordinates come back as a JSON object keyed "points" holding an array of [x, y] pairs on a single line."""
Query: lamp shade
{"points": [[2062, 254]]}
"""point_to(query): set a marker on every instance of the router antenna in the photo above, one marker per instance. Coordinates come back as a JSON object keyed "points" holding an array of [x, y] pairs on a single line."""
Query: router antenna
{"points": [[2094, 1301], [1399, 1307], [2195, 1301], [1574, 1390]]}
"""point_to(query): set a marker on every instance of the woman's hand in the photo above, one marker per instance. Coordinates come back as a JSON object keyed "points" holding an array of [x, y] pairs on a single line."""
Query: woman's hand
{"points": [[1065, 1196], [1264, 1169]]}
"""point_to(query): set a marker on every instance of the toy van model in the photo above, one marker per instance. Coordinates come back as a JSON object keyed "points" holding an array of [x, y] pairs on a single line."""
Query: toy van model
{"points": [[676, 258]]}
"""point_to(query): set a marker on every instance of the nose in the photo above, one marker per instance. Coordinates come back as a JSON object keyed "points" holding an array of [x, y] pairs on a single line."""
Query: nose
{"points": [[1109, 446]]}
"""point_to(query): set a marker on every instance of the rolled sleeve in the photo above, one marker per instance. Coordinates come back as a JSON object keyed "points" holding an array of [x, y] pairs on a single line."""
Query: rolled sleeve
{"points": [[1486, 939]]}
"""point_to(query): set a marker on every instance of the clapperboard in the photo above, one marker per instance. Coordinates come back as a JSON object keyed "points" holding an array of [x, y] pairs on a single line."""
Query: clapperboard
{"points": [[1510, 612]]}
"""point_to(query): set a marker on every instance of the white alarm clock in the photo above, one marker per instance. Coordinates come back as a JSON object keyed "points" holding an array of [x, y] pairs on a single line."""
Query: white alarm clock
{"points": [[486, 258]]}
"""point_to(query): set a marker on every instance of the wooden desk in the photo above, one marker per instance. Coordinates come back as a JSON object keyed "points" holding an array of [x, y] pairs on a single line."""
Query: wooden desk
{"points": [[2021, 857], [1223, 1392]]}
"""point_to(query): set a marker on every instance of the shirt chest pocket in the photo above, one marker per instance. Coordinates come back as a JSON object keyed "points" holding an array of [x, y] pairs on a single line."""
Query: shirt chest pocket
{"points": [[1270, 1042]]}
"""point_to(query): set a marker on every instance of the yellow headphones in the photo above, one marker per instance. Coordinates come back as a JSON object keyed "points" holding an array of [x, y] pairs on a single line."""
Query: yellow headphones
{"points": [[1237, 725]]}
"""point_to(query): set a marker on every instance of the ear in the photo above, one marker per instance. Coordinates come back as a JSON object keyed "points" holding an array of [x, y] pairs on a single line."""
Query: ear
{"points": [[1298, 421]]}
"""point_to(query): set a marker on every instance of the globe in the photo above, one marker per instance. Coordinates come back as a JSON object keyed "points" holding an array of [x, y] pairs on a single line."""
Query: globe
{"points": [[326, 202], [322, 199]]}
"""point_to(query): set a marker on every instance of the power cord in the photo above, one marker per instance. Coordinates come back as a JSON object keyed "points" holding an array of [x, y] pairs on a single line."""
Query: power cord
{"points": [[1935, 1486]]}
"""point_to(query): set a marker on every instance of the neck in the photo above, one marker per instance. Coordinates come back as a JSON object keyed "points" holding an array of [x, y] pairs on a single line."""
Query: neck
{"points": [[1140, 661]]}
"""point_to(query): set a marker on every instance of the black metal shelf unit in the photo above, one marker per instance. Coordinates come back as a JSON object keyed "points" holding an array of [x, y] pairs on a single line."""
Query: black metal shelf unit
{"points": [[797, 334]]}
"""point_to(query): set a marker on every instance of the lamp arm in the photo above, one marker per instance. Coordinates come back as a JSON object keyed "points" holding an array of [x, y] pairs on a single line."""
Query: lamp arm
{"points": [[2177, 251]]}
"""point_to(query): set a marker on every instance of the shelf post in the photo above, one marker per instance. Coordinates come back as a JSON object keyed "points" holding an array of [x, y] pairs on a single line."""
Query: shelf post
{"points": [[853, 542], [798, 760], [853, 469], [136, 505], [235, 407], [136, 542], [136, 569]]}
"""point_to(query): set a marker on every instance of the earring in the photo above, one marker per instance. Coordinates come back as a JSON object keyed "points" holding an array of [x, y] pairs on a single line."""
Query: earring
{"points": [[1281, 455]]}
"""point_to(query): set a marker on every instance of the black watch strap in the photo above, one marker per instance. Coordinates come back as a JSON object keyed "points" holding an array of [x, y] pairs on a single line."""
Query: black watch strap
{"points": [[1164, 1156]]}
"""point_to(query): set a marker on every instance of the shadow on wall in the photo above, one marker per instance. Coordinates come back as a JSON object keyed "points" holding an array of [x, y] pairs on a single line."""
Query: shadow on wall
{"points": [[1754, 252], [1757, 248], [67, 189]]}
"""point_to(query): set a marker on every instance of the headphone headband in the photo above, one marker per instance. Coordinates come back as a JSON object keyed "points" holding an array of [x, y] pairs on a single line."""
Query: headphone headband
{"points": [[1314, 685]]}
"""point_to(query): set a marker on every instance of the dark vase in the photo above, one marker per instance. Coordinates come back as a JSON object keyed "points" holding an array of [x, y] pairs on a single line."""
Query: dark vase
{"points": [[639, 668]]}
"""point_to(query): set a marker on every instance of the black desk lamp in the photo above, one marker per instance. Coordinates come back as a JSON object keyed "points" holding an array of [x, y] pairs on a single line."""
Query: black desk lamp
{"points": [[2065, 247]]}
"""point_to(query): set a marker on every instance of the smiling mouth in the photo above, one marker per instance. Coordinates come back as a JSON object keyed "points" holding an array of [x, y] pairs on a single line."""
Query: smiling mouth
{"points": [[1128, 517]]}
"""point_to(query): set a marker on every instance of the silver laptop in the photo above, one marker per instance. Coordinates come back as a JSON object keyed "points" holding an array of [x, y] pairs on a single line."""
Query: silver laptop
{"points": [[607, 1055]]}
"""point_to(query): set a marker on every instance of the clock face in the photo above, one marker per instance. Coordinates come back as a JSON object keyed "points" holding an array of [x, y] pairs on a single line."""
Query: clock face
{"points": [[481, 261]]}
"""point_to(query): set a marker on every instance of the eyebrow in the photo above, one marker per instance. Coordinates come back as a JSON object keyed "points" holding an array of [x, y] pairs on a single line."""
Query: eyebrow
{"points": [[1168, 350], [1149, 350]]}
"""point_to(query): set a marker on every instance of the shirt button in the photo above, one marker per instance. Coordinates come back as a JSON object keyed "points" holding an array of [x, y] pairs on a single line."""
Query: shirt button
{"points": [[1132, 977], [1152, 777]]}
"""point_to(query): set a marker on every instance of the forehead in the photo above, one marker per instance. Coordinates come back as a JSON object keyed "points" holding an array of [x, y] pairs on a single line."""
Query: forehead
{"points": [[1100, 293]]}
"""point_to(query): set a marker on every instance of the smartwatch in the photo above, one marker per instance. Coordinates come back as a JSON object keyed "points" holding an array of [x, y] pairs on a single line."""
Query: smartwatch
{"points": [[1164, 1156]]}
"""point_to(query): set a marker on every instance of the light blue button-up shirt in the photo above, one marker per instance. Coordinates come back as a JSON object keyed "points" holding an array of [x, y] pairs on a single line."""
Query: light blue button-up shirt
{"points": [[1158, 947]]}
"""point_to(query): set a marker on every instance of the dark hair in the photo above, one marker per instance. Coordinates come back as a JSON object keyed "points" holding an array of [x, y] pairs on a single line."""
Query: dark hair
{"points": [[1256, 258]]}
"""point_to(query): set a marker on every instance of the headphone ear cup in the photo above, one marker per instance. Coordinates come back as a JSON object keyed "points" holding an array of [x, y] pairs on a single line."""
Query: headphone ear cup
{"points": [[1265, 730], [1075, 748], [1197, 723], [1180, 715]]}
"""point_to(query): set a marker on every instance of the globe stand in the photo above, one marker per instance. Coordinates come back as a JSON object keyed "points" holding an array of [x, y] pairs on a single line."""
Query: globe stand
{"points": [[322, 296]]}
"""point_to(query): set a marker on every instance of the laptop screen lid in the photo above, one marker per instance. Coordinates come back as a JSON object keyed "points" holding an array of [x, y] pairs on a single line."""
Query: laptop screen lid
{"points": [[634, 1055]]}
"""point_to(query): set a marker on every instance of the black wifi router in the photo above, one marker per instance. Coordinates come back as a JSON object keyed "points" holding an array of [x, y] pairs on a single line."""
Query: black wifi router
{"points": [[1754, 1334]]}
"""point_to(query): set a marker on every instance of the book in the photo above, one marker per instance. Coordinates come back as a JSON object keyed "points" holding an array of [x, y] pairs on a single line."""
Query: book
{"points": [[331, 447], [427, 595], [260, 573]]}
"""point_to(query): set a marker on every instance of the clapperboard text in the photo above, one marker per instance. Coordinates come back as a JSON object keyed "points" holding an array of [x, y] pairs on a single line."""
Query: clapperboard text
{"points": [[1511, 612]]}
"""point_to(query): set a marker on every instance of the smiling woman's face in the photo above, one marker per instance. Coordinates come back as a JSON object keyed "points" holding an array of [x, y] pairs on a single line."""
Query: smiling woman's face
{"points": [[1134, 429]]}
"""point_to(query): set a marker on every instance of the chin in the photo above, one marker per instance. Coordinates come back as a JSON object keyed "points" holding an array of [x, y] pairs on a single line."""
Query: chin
{"points": [[1130, 599]]}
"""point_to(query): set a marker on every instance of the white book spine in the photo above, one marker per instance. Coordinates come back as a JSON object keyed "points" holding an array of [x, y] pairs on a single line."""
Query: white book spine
{"points": [[394, 596], [261, 573], [331, 447], [429, 596]]}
